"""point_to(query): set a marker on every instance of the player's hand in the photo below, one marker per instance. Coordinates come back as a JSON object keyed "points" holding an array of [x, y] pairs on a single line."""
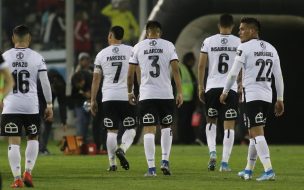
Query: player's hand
{"points": [[279, 108], [132, 99], [223, 98], [94, 107], [201, 95], [48, 114], [179, 99]]}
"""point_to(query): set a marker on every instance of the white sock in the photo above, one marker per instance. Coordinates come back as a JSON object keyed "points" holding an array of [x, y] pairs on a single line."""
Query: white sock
{"points": [[127, 139], [112, 146], [31, 153], [14, 158], [166, 143], [211, 136], [227, 144], [252, 155], [263, 152], [149, 144]]}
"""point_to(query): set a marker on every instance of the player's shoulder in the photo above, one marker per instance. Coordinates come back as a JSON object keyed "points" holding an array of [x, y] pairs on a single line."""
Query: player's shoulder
{"points": [[35, 53]]}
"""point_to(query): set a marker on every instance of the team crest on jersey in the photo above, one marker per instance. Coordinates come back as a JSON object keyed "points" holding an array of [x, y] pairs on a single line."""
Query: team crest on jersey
{"points": [[152, 43], [115, 50], [19, 55], [224, 41], [262, 45]]}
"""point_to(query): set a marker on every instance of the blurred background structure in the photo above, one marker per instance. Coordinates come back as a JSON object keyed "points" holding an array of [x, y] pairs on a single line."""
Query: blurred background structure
{"points": [[63, 29]]}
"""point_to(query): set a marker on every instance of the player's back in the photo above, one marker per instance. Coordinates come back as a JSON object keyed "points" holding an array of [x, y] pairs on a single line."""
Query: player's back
{"points": [[154, 57], [221, 50], [24, 65], [114, 62], [260, 58]]}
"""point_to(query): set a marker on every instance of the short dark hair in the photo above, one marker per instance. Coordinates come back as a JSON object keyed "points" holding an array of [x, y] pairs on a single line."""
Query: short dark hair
{"points": [[226, 20], [253, 22], [21, 30], [118, 32], [152, 24]]}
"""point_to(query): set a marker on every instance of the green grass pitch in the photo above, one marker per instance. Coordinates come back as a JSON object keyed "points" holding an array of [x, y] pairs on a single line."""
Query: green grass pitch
{"points": [[188, 165]]}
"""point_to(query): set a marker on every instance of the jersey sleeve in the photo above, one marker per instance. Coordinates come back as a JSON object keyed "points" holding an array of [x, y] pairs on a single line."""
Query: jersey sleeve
{"points": [[42, 65], [134, 56], [240, 54], [97, 63], [174, 54], [205, 46], [277, 73]]}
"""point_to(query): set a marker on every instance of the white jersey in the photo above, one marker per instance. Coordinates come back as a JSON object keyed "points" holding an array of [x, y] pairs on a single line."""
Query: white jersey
{"points": [[3, 63], [114, 62], [154, 57], [24, 64], [260, 60], [221, 50]]}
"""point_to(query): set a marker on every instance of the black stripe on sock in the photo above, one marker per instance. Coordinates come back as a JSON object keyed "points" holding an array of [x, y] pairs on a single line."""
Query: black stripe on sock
{"points": [[210, 126], [228, 135]]}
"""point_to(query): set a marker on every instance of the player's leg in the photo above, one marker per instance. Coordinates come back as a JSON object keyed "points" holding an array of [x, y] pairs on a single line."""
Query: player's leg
{"points": [[14, 158], [251, 160], [228, 142], [263, 152], [258, 110], [149, 121], [111, 147], [11, 126], [128, 117], [32, 128], [230, 116], [212, 104], [166, 112], [129, 122], [111, 122]]}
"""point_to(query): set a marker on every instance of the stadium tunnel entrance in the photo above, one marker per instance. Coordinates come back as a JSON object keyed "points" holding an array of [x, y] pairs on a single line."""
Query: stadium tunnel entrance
{"points": [[187, 23]]}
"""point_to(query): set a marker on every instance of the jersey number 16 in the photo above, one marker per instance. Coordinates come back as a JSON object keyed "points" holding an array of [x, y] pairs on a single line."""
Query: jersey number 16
{"points": [[21, 83]]}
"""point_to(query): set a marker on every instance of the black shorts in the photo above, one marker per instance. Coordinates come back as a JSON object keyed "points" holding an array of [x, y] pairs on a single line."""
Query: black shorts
{"points": [[256, 113], [12, 124], [118, 113], [214, 107], [157, 112]]}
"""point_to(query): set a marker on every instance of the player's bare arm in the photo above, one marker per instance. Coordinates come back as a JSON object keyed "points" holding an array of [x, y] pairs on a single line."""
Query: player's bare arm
{"points": [[201, 75], [178, 83], [130, 82], [8, 80], [94, 89]]}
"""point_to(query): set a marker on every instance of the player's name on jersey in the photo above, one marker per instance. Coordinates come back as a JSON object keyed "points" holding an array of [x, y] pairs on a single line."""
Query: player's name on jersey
{"points": [[116, 58], [223, 48], [148, 51], [263, 53], [19, 64]]}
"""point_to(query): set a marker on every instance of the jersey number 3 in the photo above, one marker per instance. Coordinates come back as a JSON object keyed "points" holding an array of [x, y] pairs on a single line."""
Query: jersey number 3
{"points": [[21, 83], [154, 63]]}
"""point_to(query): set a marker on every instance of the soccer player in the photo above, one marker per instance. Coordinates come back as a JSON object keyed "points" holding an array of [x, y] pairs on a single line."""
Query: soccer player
{"points": [[260, 61], [111, 64], [21, 107], [155, 56], [219, 51]]}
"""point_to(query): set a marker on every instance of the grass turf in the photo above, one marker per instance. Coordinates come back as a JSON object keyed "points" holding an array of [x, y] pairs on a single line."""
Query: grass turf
{"points": [[188, 165]]}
